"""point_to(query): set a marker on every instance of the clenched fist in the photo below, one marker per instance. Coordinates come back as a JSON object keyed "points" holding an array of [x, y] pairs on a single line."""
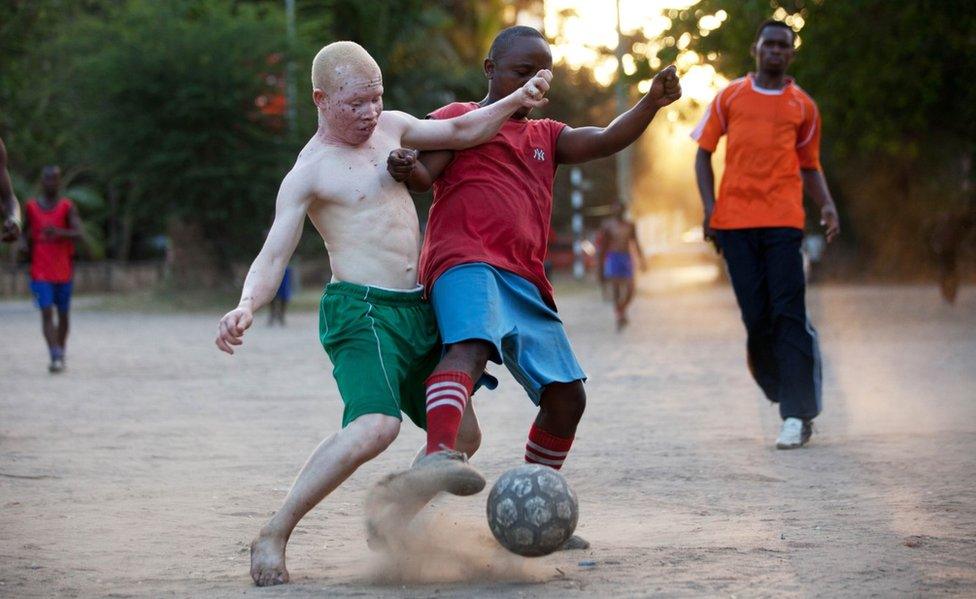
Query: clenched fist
{"points": [[400, 163], [534, 91], [665, 88]]}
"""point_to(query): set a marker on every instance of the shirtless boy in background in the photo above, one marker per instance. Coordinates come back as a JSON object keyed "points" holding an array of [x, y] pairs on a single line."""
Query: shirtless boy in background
{"points": [[617, 246]]}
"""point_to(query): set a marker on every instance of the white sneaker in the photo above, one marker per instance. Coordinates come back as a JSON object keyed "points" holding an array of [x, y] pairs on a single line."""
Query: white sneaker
{"points": [[795, 433]]}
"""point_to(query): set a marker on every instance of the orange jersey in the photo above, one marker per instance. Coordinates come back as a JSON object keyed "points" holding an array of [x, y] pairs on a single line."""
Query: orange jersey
{"points": [[772, 134]]}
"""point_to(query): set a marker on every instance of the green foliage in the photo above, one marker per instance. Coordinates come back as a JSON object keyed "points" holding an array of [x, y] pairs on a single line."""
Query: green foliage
{"points": [[166, 93], [887, 75], [34, 121], [893, 81]]}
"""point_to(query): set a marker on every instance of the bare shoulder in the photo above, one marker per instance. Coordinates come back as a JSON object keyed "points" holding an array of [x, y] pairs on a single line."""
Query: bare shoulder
{"points": [[394, 122], [394, 117], [301, 181]]}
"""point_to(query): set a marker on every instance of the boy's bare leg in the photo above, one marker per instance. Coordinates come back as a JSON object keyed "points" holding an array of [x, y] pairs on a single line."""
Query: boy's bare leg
{"points": [[48, 327], [63, 319], [332, 462], [626, 296], [469, 434]]}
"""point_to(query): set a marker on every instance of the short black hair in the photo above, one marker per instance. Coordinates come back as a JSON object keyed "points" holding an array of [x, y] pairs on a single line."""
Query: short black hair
{"points": [[774, 23], [505, 37]]}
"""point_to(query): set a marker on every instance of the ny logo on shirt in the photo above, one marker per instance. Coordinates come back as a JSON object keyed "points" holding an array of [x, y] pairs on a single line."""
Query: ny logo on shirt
{"points": [[539, 154]]}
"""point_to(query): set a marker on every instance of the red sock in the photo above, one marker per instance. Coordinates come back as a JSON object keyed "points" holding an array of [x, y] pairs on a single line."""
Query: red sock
{"points": [[447, 394], [546, 449]]}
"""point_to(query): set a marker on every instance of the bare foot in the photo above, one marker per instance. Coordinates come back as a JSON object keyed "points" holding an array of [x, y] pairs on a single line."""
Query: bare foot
{"points": [[268, 561]]}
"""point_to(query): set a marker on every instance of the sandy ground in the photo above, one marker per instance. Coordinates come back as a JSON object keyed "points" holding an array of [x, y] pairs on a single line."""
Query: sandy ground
{"points": [[146, 468]]}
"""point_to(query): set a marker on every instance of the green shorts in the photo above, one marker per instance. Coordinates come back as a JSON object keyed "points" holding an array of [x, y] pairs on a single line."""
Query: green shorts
{"points": [[383, 345]]}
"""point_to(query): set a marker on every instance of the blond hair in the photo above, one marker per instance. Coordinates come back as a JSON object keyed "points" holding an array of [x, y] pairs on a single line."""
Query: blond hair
{"points": [[338, 60]]}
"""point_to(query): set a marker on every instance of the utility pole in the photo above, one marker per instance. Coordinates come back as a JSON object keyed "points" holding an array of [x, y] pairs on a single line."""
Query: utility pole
{"points": [[621, 92], [576, 199], [291, 94]]}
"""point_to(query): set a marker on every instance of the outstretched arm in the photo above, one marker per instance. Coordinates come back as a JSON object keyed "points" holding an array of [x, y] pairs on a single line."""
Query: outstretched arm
{"points": [[266, 271], [588, 143], [475, 127], [9, 206], [815, 186]]}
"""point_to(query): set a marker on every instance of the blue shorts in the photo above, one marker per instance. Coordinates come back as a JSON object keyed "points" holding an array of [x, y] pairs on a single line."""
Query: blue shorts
{"points": [[46, 294], [284, 289], [478, 301], [618, 265]]}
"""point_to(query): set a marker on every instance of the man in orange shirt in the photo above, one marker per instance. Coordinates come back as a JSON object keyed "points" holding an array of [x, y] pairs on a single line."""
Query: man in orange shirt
{"points": [[772, 156]]}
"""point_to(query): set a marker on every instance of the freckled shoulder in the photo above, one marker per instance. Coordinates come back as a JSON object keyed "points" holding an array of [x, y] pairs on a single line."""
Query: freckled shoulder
{"points": [[395, 122], [304, 179]]}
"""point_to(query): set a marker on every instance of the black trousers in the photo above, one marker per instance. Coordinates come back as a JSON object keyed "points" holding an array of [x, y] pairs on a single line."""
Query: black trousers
{"points": [[766, 269]]}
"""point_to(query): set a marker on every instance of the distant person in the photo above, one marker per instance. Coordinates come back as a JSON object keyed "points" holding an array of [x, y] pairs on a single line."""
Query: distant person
{"points": [[948, 239], [9, 206], [374, 323], [53, 225], [279, 303], [618, 245], [772, 157]]}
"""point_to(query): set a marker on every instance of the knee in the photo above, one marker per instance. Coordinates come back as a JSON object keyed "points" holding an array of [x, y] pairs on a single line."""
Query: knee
{"points": [[565, 400], [376, 433], [474, 354]]}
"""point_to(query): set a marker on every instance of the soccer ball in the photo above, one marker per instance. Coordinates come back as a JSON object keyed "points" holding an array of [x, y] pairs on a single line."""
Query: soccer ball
{"points": [[531, 510]]}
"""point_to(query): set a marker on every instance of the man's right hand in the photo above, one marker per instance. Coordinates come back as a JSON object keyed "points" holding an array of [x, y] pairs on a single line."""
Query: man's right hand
{"points": [[534, 91], [400, 163], [11, 230], [231, 328]]}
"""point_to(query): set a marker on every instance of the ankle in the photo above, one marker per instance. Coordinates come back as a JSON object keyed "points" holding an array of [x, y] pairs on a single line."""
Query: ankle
{"points": [[272, 532]]}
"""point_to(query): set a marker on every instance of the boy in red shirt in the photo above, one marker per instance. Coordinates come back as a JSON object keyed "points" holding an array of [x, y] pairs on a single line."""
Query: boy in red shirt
{"points": [[52, 226], [483, 253], [772, 156]]}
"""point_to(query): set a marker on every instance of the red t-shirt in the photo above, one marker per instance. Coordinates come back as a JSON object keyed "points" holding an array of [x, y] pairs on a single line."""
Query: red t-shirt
{"points": [[493, 202], [51, 258]]}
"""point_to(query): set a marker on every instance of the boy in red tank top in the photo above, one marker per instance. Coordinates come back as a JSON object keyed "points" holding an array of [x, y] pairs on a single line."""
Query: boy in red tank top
{"points": [[52, 226]]}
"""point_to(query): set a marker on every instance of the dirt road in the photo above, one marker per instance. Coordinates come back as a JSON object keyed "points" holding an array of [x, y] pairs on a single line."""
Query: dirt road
{"points": [[146, 468]]}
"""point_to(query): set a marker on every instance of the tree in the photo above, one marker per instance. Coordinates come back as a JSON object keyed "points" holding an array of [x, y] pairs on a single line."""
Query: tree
{"points": [[166, 95], [893, 81]]}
